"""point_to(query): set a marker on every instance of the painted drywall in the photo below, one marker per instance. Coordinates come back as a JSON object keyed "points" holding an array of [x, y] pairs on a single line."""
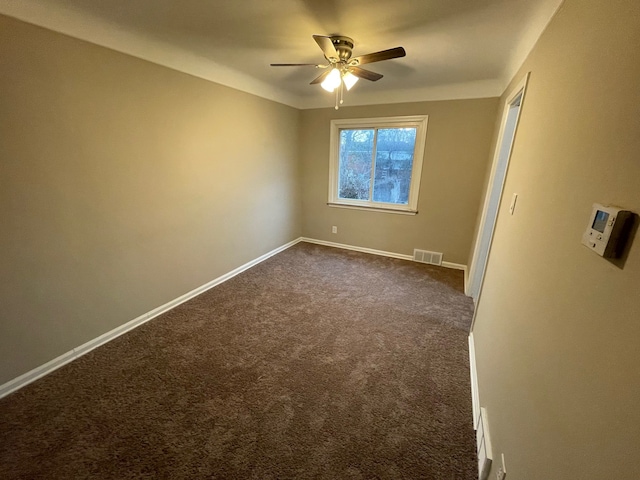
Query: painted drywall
{"points": [[459, 135], [558, 327], [124, 185]]}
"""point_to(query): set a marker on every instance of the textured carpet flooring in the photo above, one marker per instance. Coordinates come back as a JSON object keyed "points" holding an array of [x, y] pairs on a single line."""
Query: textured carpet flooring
{"points": [[317, 363]]}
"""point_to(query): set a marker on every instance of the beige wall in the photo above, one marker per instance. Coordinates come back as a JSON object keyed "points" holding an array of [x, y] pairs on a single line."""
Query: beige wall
{"points": [[123, 185], [558, 327], [459, 136]]}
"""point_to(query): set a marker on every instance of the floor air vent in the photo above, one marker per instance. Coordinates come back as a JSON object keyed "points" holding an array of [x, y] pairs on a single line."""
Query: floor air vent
{"points": [[424, 256]]}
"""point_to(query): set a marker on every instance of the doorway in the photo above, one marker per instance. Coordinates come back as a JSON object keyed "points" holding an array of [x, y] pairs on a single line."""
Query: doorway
{"points": [[509, 125]]}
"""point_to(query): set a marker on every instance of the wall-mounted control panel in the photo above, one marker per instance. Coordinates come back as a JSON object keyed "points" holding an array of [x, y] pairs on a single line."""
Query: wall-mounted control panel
{"points": [[604, 233]]}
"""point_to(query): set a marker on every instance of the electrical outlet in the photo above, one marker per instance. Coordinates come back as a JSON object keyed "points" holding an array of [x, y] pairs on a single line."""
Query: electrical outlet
{"points": [[334, 229]]}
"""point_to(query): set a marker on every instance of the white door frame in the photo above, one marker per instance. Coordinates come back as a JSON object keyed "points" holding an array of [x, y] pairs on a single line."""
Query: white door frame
{"points": [[495, 186]]}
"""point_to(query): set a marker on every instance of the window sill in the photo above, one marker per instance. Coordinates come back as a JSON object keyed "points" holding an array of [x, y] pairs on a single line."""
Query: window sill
{"points": [[373, 209]]}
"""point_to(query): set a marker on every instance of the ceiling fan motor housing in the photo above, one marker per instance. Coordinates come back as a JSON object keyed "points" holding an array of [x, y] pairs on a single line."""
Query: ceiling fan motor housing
{"points": [[343, 45]]}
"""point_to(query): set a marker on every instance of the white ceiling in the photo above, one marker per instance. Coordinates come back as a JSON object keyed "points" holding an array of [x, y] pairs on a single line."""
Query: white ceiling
{"points": [[455, 48]]}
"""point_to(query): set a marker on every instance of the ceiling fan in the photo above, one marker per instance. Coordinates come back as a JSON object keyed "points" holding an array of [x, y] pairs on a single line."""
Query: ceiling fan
{"points": [[343, 71]]}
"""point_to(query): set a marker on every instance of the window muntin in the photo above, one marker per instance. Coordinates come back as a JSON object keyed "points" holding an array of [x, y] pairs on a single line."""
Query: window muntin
{"points": [[376, 163]]}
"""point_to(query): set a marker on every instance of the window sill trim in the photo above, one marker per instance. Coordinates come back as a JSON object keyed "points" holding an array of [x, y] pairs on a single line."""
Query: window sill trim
{"points": [[372, 209]]}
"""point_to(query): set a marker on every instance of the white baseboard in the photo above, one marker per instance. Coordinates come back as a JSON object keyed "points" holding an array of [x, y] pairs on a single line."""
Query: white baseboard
{"points": [[455, 266], [475, 398], [38, 372], [358, 249], [402, 256]]}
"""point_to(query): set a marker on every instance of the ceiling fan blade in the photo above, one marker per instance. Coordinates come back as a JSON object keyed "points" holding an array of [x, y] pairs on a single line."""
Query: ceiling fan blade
{"points": [[366, 74], [378, 56], [294, 65], [326, 45], [320, 78]]}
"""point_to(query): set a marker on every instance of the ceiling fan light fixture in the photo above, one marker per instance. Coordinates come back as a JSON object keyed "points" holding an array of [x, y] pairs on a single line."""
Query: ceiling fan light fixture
{"points": [[332, 81], [349, 80], [343, 71]]}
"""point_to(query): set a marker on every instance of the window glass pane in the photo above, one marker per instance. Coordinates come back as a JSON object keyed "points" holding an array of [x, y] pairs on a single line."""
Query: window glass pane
{"points": [[394, 162], [356, 151]]}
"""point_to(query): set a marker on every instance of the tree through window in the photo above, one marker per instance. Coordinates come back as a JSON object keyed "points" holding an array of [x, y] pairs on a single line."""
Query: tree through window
{"points": [[376, 163]]}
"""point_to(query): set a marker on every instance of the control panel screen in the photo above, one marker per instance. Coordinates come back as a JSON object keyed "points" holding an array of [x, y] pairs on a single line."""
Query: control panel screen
{"points": [[600, 221]]}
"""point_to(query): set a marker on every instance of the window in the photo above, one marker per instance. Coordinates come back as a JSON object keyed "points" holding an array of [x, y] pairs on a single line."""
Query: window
{"points": [[376, 163]]}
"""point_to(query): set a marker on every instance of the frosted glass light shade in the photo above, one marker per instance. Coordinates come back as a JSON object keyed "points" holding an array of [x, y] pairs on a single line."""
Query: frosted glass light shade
{"points": [[349, 80], [332, 81]]}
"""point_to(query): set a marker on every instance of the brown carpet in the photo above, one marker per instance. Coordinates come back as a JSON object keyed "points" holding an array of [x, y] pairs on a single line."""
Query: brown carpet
{"points": [[317, 363]]}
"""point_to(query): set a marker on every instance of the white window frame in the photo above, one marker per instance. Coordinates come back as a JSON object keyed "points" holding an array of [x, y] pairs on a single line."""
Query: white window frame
{"points": [[419, 122]]}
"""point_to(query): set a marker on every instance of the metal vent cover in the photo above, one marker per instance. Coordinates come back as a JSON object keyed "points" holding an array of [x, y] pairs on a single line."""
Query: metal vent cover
{"points": [[425, 256]]}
